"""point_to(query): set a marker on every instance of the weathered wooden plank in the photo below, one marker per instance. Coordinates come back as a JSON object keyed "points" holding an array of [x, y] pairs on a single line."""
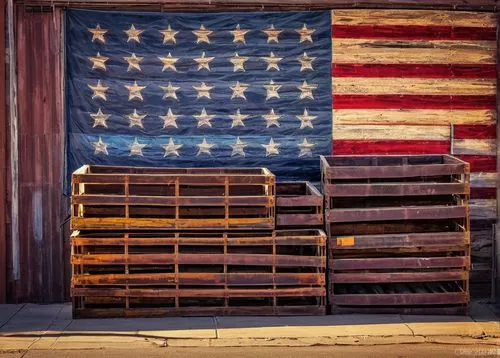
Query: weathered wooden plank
{"points": [[382, 277], [477, 131], [400, 213], [401, 299], [188, 278], [399, 262], [413, 32], [413, 17], [481, 209], [474, 146], [299, 220], [481, 163], [197, 259], [387, 132], [87, 199], [395, 101], [414, 70], [483, 180], [413, 116], [413, 51], [421, 86], [357, 147], [199, 292], [395, 189]]}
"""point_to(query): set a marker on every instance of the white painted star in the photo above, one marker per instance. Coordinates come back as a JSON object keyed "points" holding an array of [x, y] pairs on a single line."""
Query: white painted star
{"points": [[169, 62], [170, 91], [305, 34], [272, 148], [97, 33], [239, 34], [133, 62], [238, 62], [203, 90], [136, 119], [272, 34], [170, 119], [171, 148], [98, 61], [272, 62], [306, 119], [136, 148], [204, 62], [238, 118], [169, 35], [239, 90], [134, 91], [204, 118], [99, 90], [305, 148], [202, 35], [272, 90], [306, 62], [306, 90], [100, 147], [100, 118], [272, 119], [238, 147], [204, 147], [133, 34]]}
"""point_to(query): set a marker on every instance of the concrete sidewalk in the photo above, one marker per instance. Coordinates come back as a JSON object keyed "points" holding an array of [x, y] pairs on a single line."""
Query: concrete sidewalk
{"points": [[32, 327]]}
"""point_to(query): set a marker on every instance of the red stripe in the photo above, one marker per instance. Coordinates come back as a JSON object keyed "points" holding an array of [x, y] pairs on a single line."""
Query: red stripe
{"points": [[462, 131], [413, 32], [414, 70], [413, 102], [480, 163], [346, 147], [483, 193]]}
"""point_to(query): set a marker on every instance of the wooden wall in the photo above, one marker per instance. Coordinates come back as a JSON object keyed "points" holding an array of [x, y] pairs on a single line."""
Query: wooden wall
{"points": [[412, 82]]}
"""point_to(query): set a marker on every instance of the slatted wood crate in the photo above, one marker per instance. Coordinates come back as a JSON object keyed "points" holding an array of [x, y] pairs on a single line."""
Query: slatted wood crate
{"points": [[196, 273], [399, 236], [298, 204], [117, 198]]}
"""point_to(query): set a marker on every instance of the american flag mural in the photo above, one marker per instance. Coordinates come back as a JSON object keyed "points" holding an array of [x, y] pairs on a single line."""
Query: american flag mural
{"points": [[417, 82], [225, 89]]}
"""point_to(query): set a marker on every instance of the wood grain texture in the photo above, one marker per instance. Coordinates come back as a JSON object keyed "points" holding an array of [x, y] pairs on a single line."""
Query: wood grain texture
{"points": [[414, 86], [483, 193], [413, 51], [474, 146], [385, 132], [414, 116], [401, 101], [356, 147], [414, 32], [481, 209], [413, 17], [480, 163], [483, 180], [414, 70], [468, 131]]}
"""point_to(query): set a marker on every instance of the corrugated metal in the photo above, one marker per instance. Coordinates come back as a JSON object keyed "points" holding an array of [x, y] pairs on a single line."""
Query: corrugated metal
{"points": [[43, 267]]}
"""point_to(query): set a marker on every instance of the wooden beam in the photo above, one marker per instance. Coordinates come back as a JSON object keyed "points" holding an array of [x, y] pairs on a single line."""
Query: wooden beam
{"points": [[4, 150], [260, 5], [496, 244]]}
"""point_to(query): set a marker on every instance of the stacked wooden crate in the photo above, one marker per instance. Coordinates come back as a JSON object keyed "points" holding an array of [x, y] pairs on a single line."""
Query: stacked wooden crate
{"points": [[298, 205], [399, 238], [169, 241]]}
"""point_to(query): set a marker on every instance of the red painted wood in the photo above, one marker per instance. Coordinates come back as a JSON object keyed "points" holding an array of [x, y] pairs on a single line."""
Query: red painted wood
{"points": [[413, 32], [347, 147], [483, 193], [414, 70], [413, 102], [474, 131], [480, 163]]}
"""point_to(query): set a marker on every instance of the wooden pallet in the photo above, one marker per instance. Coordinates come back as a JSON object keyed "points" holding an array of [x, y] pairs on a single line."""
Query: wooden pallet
{"points": [[298, 205], [133, 198], [155, 274]]}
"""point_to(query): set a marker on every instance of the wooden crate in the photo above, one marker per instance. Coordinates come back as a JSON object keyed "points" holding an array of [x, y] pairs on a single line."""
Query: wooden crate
{"points": [[391, 188], [133, 198], [157, 274], [298, 205]]}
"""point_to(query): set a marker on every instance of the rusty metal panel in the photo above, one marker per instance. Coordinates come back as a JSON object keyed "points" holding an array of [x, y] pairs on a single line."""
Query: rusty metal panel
{"points": [[41, 139]]}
